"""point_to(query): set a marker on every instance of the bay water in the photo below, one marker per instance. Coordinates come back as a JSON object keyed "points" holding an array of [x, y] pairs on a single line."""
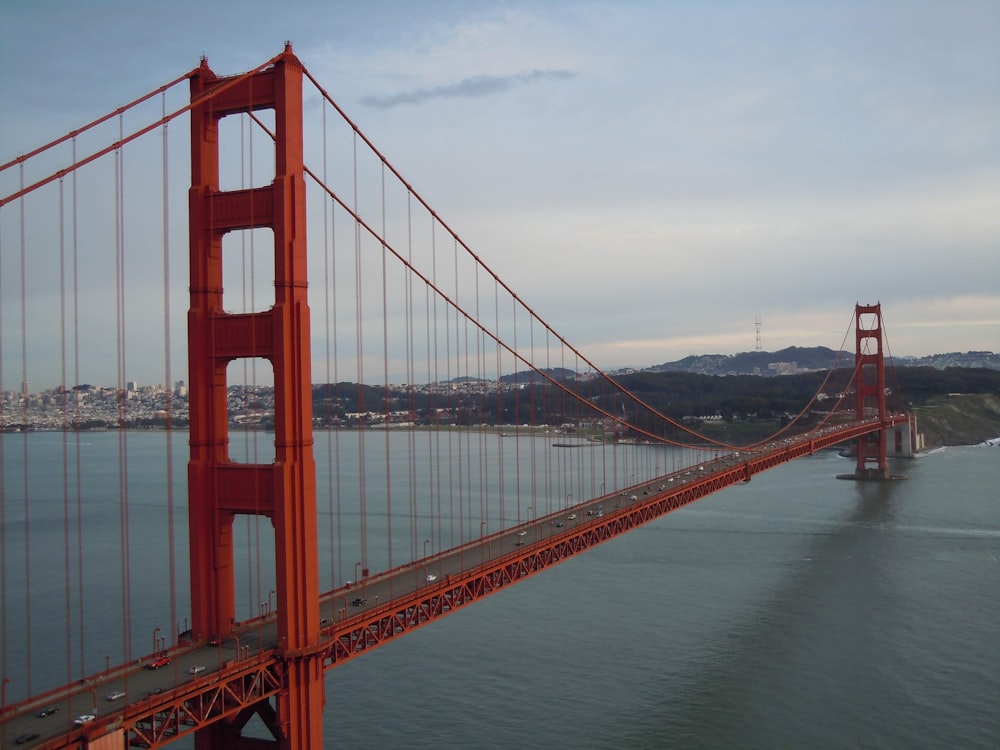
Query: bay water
{"points": [[795, 611]]}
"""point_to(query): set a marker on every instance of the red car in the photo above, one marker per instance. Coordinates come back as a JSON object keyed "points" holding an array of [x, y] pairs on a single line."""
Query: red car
{"points": [[157, 663]]}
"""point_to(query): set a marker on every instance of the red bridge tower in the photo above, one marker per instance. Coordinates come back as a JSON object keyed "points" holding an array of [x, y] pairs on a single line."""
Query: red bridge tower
{"points": [[219, 488], [869, 381]]}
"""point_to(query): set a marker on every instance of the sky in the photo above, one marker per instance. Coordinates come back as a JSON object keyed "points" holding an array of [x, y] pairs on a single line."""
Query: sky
{"points": [[650, 177]]}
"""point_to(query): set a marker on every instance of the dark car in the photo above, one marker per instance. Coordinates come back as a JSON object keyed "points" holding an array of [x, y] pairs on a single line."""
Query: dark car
{"points": [[47, 711], [359, 602], [26, 737]]}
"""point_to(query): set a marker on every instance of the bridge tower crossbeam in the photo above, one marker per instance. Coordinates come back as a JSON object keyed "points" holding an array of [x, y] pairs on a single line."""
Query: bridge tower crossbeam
{"points": [[219, 488]]}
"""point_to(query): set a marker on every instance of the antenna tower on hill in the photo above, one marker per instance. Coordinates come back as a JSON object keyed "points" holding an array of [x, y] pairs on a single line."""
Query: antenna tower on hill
{"points": [[756, 325]]}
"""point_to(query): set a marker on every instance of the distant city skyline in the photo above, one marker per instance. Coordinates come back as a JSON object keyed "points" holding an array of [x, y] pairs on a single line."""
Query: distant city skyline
{"points": [[940, 360]]}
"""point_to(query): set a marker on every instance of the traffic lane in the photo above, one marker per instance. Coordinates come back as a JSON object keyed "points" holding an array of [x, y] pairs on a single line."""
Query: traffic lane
{"points": [[368, 594], [138, 682]]}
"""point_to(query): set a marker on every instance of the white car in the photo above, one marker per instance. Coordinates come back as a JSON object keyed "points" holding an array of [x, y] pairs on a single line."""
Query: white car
{"points": [[85, 719], [117, 695], [431, 578], [197, 668]]}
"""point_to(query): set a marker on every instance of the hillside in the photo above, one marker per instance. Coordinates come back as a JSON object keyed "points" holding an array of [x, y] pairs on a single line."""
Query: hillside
{"points": [[959, 419], [797, 359], [786, 361], [735, 408]]}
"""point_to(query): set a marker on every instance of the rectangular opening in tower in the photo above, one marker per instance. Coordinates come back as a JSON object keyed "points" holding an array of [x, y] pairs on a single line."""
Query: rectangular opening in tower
{"points": [[867, 321], [250, 408], [253, 566], [246, 150], [248, 270]]}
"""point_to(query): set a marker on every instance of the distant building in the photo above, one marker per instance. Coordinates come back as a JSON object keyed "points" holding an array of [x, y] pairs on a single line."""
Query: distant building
{"points": [[783, 368]]}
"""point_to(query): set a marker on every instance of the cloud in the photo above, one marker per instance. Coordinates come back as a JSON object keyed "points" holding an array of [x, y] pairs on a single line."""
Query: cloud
{"points": [[477, 86]]}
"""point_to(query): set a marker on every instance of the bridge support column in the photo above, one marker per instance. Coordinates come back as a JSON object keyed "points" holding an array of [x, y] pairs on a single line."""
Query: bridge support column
{"points": [[220, 489], [869, 388]]}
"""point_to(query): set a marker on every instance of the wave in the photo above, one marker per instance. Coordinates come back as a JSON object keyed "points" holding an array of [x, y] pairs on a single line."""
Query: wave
{"points": [[942, 531]]}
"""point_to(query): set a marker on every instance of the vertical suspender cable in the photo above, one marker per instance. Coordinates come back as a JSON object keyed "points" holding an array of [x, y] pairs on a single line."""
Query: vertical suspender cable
{"points": [[562, 460], [76, 380], [385, 381], [896, 390], [360, 353], [463, 433], [484, 442], [122, 396], [231, 304], [517, 433], [253, 373], [550, 470], [338, 494], [469, 427], [579, 460], [410, 377], [449, 433], [246, 271], [24, 448], [64, 405], [245, 435], [457, 475], [499, 371], [167, 373], [532, 433], [253, 366], [432, 410], [436, 485], [328, 211], [332, 395]]}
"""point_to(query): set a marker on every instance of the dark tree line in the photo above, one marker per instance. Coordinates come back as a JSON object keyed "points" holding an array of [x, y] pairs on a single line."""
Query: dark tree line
{"points": [[677, 395]]}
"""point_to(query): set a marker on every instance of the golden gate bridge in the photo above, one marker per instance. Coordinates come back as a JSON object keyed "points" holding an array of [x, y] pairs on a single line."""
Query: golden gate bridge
{"points": [[465, 444]]}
